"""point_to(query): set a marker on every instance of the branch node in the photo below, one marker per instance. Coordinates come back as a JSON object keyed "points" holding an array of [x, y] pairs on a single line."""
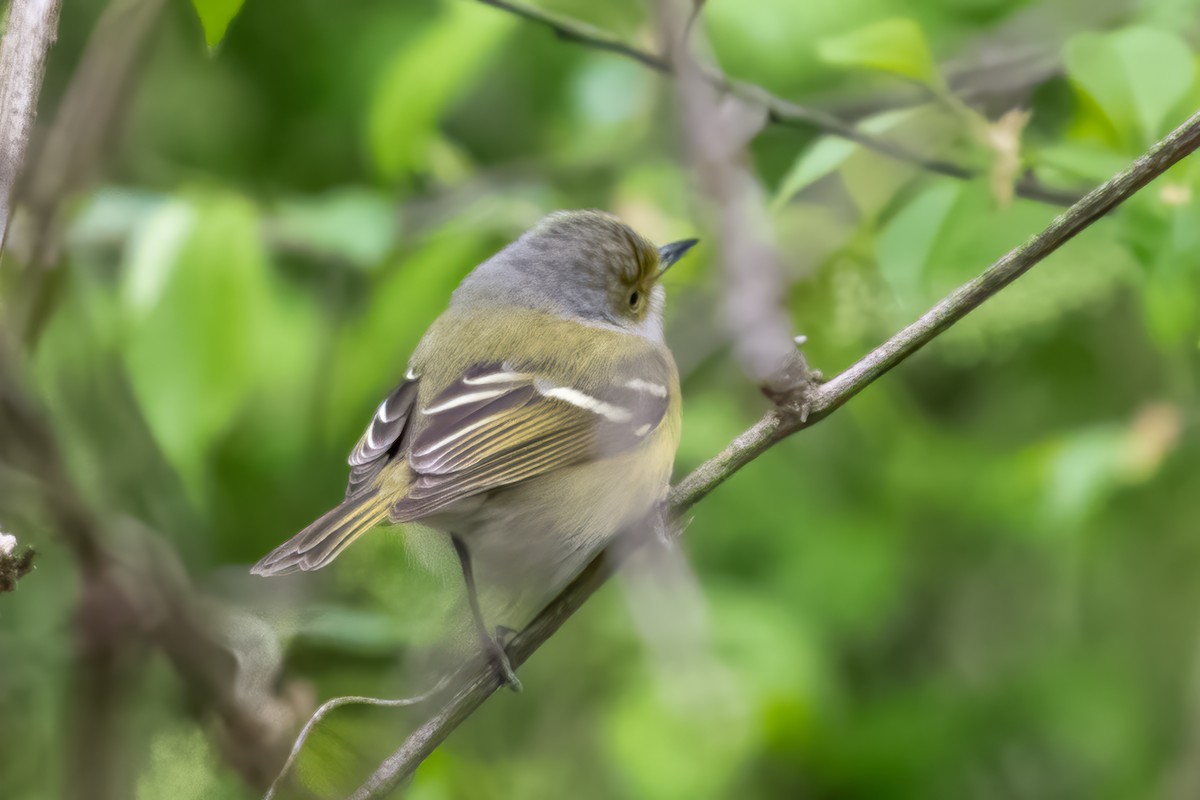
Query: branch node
{"points": [[791, 382], [14, 566]]}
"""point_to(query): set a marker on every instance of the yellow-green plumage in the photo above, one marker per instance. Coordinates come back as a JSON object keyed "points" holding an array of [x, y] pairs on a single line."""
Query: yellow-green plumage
{"points": [[539, 415]]}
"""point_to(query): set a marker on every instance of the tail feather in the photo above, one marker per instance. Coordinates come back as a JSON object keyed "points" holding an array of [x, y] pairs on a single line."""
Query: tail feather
{"points": [[323, 540]]}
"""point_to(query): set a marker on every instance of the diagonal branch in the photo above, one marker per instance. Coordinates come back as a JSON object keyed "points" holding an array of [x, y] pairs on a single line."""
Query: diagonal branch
{"points": [[805, 408], [779, 111], [823, 400]]}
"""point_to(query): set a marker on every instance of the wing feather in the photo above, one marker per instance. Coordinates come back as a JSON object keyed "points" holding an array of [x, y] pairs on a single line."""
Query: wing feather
{"points": [[382, 437], [497, 426], [527, 426]]}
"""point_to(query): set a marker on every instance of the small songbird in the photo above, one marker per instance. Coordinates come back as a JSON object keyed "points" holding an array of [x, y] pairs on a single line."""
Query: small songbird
{"points": [[538, 418]]}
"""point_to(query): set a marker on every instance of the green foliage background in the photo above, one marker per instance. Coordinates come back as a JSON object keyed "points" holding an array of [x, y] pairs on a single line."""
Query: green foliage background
{"points": [[978, 579]]}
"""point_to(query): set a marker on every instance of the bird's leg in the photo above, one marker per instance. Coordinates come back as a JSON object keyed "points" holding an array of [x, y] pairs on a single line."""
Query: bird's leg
{"points": [[491, 646]]}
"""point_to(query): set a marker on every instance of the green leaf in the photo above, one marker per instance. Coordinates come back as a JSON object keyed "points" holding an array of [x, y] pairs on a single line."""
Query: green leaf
{"points": [[974, 233], [356, 225], [373, 350], [1170, 306], [180, 764], [677, 751], [1083, 471], [215, 16], [152, 253], [1164, 239], [904, 246], [1080, 160], [830, 152], [1134, 76], [424, 78], [896, 46], [826, 155], [191, 345]]}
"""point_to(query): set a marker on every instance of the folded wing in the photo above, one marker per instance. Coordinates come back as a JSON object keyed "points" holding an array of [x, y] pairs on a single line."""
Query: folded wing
{"points": [[497, 426], [382, 439]]}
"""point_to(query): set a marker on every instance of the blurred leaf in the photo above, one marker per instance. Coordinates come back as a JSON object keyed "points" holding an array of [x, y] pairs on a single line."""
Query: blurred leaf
{"points": [[973, 235], [423, 79], [608, 91], [181, 766], [292, 336], [1171, 306], [192, 354], [215, 16], [112, 215], [875, 182], [1090, 464], [904, 245], [1083, 471], [1080, 160], [357, 225], [896, 46], [375, 347], [152, 254], [828, 153], [448, 163], [1162, 234], [666, 752], [814, 163], [771, 647], [1135, 75], [776, 44]]}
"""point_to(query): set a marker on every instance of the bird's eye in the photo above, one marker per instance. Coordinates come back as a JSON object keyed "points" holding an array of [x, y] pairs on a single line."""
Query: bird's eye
{"points": [[635, 299]]}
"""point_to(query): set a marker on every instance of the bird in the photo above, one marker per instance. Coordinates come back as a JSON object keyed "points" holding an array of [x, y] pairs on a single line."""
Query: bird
{"points": [[538, 416]]}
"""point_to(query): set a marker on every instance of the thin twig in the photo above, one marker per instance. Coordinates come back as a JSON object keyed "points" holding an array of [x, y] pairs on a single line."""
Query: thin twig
{"points": [[72, 152], [338, 702], [32, 28], [777, 424], [779, 111]]}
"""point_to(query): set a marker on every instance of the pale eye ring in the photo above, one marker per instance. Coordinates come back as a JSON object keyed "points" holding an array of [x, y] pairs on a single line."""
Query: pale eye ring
{"points": [[635, 300]]}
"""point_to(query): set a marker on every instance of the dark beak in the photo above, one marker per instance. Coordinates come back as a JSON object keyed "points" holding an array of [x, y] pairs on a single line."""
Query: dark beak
{"points": [[668, 254]]}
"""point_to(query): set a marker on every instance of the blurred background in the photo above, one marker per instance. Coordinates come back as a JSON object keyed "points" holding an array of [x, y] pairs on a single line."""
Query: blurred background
{"points": [[976, 580]]}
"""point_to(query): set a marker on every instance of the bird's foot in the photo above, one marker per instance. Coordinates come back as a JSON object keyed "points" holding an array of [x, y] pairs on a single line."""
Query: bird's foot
{"points": [[495, 650]]}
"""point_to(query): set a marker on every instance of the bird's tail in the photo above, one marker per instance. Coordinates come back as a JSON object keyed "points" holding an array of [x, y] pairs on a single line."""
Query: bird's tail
{"points": [[322, 541]]}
